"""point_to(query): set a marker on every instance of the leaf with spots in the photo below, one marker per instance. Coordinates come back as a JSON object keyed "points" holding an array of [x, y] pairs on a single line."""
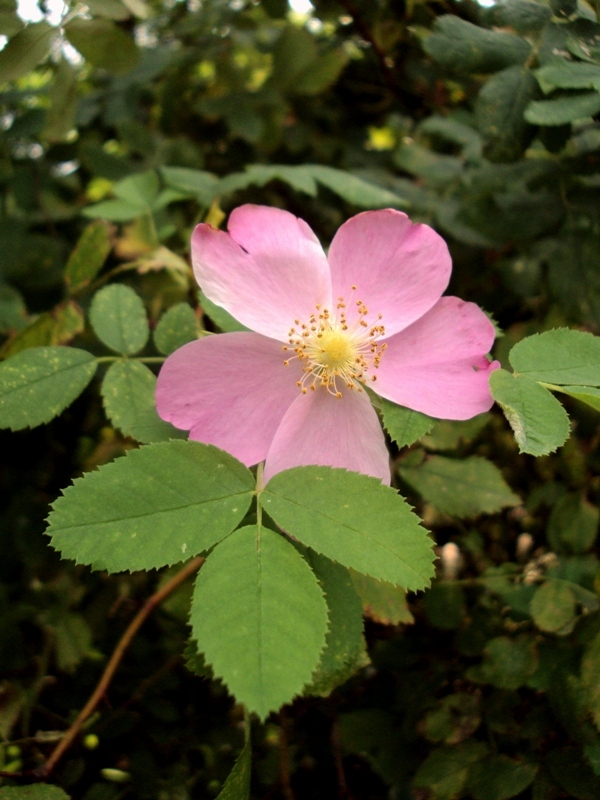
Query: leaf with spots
{"points": [[259, 617], [128, 394], [119, 319], [158, 505], [37, 384]]}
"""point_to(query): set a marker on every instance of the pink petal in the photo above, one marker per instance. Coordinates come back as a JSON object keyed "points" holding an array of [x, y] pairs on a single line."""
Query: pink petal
{"points": [[267, 271], [400, 269], [230, 390], [438, 364], [321, 429]]}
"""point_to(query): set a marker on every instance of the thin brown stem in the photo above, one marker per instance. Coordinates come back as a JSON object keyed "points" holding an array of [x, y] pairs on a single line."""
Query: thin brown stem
{"points": [[107, 676], [284, 759]]}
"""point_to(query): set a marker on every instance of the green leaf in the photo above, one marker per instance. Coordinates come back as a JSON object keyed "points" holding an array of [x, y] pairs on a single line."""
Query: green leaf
{"points": [[113, 9], [498, 777], [355, 520], [119, 319], [462, 46], [539, 422], [177, 326], [553, 606], [89, 255], [58, 326], [445, 770], [299, 178], [322, 73], [195, 182], [454, 719], [449, 435], [103, 44], [344, 646], [128, 392], [10, 22], [524, 16], [564, 74], [114, 211], [294, 52], [39, 383], [237, 785], [585, 394], [60, 117], [404, 425], [219, 316], [139, 190], [572, 772], [499, 113], [36, 791], [260, 618], [560, 356], [355, 190], [462, 488], [382, 601], [563, 109], [573, 525], [508, 663], [159, 505], [25, 50], [13, 311]]}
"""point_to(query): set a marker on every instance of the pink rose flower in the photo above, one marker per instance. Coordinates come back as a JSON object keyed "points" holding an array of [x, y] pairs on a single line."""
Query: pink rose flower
{"points": [[290, 391]]}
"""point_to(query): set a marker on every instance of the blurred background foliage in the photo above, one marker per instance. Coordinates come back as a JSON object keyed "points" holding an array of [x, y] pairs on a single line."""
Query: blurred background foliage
{"points": [[122, 124]]}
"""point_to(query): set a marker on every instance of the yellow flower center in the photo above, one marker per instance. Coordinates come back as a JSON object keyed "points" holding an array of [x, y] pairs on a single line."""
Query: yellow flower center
{"points": [[336, 352]]}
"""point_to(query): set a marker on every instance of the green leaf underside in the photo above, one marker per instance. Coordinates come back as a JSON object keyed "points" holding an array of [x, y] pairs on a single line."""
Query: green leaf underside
{"points": [[404, 425], [90, 253], [39, 383], [159, 505], [128, 394], [559, 356], [176, 327], [345, 646], [539, 422], [260, 617], [463, 488], [332, 512], [382, 601], [585, 394], [237, 785], [119, 319]]}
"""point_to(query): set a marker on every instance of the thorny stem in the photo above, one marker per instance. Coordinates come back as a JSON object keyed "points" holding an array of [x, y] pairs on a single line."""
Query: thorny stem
{"points": [[42, 773]]}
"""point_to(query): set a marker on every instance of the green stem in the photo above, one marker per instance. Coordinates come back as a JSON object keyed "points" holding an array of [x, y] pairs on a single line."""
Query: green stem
{"points": [[259, 491], [143, 359]]}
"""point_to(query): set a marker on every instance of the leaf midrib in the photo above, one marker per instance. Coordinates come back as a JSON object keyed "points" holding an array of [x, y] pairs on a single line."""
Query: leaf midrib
{"points": [[350, 528]]}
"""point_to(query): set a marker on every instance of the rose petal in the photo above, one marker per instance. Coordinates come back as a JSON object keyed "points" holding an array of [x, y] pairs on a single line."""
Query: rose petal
{"points": [[230, 390], [438, 365], [321, 429], [400, 269], [267, 271]]}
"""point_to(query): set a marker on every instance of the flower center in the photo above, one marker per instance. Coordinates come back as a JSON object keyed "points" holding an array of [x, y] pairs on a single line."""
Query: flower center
{"points": [[336, 352]]}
